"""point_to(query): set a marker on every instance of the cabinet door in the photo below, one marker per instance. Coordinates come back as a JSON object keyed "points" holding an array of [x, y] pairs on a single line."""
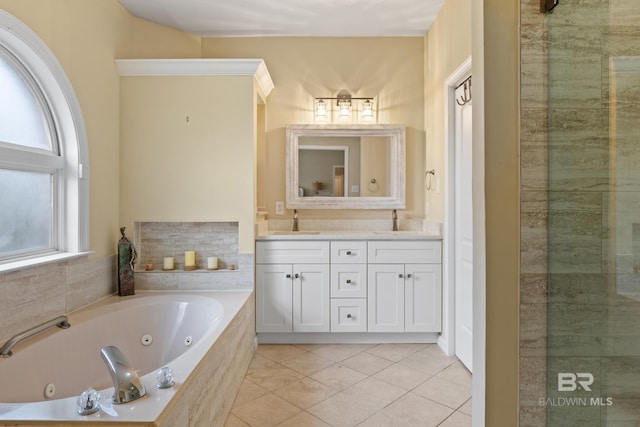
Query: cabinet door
{"points": [[348, 280], [348, 252], [423, 299], [348, 315], [273, 298], [311, 298], [385, 298]]}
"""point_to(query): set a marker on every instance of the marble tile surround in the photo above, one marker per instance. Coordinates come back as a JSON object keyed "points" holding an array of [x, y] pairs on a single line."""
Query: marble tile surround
{"points": [[155, 240], [34, 295], [567, 178]]}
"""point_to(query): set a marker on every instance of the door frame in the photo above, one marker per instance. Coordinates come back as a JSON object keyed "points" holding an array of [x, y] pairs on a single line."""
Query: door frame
{"points": [[447, 338]]}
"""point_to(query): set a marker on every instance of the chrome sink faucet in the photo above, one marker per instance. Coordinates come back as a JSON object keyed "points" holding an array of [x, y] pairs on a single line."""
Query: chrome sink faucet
{"points": [[126, 382], [295, 220], [394, 216]]}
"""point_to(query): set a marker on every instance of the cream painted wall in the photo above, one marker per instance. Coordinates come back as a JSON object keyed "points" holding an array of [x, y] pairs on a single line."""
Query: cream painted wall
{"points": [[86, 36], [447, 45], [390, 69], [187, 150]]}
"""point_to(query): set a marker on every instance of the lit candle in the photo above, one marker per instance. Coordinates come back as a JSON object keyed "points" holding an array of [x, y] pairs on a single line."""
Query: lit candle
{"points": [[190, 258], [167, 263], [212, 262]]}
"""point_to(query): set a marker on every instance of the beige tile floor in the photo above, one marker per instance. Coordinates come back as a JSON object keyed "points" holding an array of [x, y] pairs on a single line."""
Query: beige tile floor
{"points": [[340, 385]]}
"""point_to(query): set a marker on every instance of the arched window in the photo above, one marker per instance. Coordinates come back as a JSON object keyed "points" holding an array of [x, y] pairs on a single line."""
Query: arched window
{"points": [[43, 154]]}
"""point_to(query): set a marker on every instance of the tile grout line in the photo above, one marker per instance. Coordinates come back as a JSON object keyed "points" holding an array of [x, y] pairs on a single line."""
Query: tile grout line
{"points": [[278, 362]]}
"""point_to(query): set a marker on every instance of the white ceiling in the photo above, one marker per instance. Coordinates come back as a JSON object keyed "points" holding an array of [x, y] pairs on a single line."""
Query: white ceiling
{"points": [[294, 18]]}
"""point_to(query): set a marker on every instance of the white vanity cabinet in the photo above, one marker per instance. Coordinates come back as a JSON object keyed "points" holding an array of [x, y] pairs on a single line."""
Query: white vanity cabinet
{"points": [[404, 286], [348, 290], [292, 286]]}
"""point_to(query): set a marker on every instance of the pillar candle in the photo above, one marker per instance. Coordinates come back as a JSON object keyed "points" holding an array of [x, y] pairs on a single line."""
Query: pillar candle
{"points": [[212, 262], [167, 263], [189, 258]]}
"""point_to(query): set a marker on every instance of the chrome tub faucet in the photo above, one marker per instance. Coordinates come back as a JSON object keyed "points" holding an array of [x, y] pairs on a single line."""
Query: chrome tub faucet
{"points": [[126, 382]]}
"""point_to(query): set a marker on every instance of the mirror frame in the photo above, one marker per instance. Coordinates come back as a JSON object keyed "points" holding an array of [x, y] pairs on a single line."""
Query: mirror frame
{"points": [[396, 198]]}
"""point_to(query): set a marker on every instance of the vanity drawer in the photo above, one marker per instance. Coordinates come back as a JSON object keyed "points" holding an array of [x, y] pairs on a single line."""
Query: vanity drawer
{"points": [[290, 252], [349, 252], [348, 315], [348, 280], [404, 252]]}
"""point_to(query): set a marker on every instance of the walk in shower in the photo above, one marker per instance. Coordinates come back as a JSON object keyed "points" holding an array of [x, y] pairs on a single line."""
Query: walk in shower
{"points": [[592, 51]]}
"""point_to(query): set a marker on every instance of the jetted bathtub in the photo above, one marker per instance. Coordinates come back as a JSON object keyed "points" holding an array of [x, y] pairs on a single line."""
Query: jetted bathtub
{"points": [[47, 373]]}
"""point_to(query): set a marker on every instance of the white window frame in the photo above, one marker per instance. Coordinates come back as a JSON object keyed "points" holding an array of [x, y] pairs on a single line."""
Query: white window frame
{"points": [[72, 166]]}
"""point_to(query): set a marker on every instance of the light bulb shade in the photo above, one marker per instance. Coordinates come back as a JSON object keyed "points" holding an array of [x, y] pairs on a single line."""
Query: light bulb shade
{"points": [[344, 106], [321, 108], [367, 108]]}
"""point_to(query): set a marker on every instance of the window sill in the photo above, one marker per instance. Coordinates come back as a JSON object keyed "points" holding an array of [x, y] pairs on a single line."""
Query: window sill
{"points": [[35, 262]]}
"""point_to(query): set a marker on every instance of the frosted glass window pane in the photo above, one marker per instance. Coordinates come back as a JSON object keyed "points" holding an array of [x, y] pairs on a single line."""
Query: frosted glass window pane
{"points": [[26, 211], [22, 119]]}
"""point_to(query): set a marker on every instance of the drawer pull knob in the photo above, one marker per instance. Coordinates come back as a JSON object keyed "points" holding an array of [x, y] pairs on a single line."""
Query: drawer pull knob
{"points": [[288, 276], [348, 281], [349, 316], [348, 252]]}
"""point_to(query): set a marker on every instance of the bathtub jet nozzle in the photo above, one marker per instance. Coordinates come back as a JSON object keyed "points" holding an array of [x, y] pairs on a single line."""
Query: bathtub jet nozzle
{"points": [[126, 382]]}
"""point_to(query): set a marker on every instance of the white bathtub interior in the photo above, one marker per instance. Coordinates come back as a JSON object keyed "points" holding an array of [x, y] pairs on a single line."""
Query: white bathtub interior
{"points": [[182, 325]]}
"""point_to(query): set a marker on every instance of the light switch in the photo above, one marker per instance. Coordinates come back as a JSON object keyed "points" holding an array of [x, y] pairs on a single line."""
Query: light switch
{"points": [[279, 207]]}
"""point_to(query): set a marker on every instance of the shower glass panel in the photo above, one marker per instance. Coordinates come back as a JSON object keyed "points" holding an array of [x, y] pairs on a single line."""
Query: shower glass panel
{"points": [[593, 364]]}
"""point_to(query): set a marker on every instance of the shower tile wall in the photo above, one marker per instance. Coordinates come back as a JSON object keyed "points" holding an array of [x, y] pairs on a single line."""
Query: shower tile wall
{"points": [[534, 213], [580, 198]]}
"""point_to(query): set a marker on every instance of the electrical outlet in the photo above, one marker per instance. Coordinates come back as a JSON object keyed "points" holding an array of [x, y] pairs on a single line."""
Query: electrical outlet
{"points": [[279, 207]]}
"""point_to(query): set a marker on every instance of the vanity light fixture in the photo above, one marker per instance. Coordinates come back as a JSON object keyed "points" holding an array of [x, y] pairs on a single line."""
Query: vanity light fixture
{"points": [[345, 104]]}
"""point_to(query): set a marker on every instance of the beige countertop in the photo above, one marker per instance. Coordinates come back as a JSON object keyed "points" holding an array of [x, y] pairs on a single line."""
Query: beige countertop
{"points": [[348, 235]]}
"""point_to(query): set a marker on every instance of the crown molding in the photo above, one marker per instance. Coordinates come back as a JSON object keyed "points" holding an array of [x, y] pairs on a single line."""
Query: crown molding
{"points": [[199, 67]]}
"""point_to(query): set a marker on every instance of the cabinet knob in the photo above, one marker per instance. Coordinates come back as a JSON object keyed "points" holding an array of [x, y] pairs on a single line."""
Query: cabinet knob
{"points": [[348, 252], [401, 275], [409, 276], [288, 276], [296, 275], [349, 316], [348, 281]]}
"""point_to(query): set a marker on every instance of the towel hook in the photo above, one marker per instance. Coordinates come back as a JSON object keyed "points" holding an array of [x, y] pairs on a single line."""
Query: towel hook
{"points": [[428, 176], [466, 98]]}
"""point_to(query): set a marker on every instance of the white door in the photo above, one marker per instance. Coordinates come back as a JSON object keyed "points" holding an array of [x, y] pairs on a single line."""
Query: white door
{"points": [[385, 298], [423, 298], [311, 310], [463, 252], [273, 298]]}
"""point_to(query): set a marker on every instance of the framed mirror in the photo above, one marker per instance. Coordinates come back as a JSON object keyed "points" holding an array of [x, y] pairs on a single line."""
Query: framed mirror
{"points": [[345, 166]]}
